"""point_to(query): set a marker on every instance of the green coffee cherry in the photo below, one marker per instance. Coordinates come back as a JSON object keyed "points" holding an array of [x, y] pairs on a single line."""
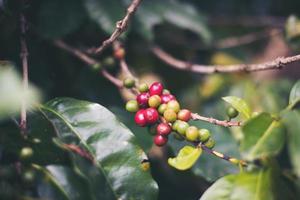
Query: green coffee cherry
{"points": [[191, 133], [170, 115], [132, 106], [174, 105], [178, 137], [96, 66], [232, 112], [204, 135], [154, 101], [143, 87], [109, 61], [210, 143], [181, 127], [162, 108], [26, 153], [175, 125], [28, 176], [165, 91], [128, 82]]}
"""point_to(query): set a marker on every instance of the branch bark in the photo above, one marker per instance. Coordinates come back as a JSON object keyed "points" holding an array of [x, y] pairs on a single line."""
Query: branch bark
{"points": [[121, 26], [210, 69], [211, 120]]}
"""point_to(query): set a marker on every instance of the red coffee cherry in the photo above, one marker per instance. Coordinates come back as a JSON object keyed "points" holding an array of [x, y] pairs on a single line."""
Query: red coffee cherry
{"points": [[119, 53], [151, 115], [160, 140], [163, 129], [184, 115], [139, 118], [165, 98], [142, 99], [156, 89]]}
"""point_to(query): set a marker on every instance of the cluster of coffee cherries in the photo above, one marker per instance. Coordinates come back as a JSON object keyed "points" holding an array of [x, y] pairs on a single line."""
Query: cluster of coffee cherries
{"points": [[158, 109]]}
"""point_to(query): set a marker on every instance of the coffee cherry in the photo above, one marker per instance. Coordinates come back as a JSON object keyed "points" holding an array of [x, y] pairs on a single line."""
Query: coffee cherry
{"points": [[142, 99], [191, 133], [26, 153], [143, 87], [151, 115], [156, 89], [152, 129], [175, 125], [160, 140], [165, 91], [154, 101], [210, 143], [119, 53], [184, 115], [174, 105], [204, 135], [128, 82], [181, 127], [232, 112], [28, 176], [139, 118], [165, 98], [163, 129], [178, 137], [170, 115], [162, 108], [132, 106]]}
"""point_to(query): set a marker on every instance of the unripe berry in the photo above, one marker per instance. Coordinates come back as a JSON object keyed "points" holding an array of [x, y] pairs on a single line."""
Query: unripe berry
{"points": [[178, 137], [174, 105], [139, 118], [26, 153], [160, 140], [143, 87], [163, 129], [151, 115], [129, 82], [184, 115], [191, 133], [165, 91], [181, 127], [119, 53], [162, 108], [204, 135], [165, 98], [142, 99], [154, 101], [132, 106], [170, 115], [156, 89], [175, 125], [210, 143], [28, 176], [232, 112]]}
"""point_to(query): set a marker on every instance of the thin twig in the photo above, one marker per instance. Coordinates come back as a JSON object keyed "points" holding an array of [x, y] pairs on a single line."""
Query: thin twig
{"points": [[121, 26], [211, 120], [24, 59], [209, 69], [88, 60]]}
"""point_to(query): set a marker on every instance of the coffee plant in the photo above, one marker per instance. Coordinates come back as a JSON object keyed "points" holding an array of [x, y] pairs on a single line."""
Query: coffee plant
{"points": [[111, 103]]}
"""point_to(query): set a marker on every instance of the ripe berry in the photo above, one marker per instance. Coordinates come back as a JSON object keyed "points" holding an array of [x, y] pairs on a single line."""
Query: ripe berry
{"points": [[191, 133], [232, 112], [119, 53], [139, 118], [142, 99], [210, 143], [154, 101], [26, 153], [128, 82], [181, 127], [174, 105], [160, 140], [143, 87], [204, 135], [163, 129], [170, 115], [162, 108], [184, 115], [156, 89], [151, 115], [165, 98], [132, 106]]}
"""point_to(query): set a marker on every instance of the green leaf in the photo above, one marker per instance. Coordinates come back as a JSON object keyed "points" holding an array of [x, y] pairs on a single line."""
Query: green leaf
{"points": [[57, 18], [186, 158], [291, 121], [105, 13], [239, 104], [294, 95], [114, 170], [243, 186], [263, 136]]}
